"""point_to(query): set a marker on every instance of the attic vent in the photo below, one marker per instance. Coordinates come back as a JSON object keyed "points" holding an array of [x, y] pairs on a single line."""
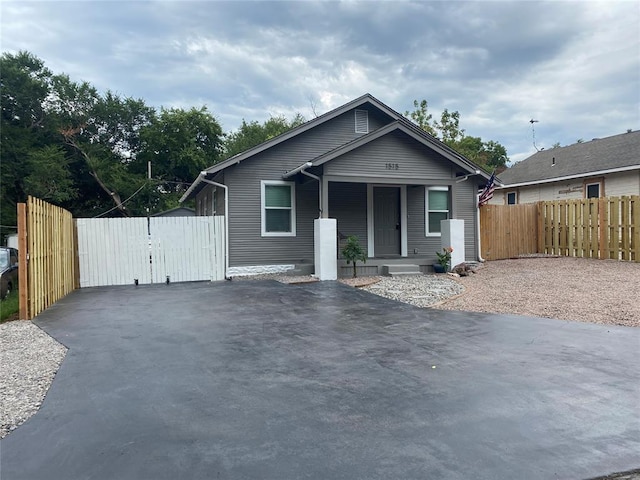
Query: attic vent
{"points": [[362, 121]]}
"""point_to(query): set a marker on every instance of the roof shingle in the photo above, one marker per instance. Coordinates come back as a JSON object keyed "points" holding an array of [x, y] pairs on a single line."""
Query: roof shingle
{"points": [[608, 153]]}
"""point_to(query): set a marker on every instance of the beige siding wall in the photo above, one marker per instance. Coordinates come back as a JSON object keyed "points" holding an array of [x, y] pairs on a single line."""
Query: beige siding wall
{"points": [[624, 183], [616, 184]]}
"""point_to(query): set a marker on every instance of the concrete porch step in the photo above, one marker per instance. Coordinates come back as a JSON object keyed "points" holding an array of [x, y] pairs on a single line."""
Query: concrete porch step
{"points": [[400, 270]]}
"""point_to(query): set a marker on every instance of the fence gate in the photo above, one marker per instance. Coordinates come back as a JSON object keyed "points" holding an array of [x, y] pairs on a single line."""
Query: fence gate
{"points": [[118, 251]]}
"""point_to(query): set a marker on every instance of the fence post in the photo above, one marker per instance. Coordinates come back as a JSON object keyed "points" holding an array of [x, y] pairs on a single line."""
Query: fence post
{"points": [[603, 226], [635, 228], [23, 255]]}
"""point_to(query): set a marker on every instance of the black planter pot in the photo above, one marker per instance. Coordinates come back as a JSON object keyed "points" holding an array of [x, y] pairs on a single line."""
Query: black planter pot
{"points": [[437, 268]]}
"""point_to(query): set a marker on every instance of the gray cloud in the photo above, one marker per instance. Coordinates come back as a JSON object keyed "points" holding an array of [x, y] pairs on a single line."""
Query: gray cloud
{"points": [[574, 66]]}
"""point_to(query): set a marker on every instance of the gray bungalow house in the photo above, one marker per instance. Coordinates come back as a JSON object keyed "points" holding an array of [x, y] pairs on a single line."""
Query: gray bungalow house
{"points": [[365, 167]]}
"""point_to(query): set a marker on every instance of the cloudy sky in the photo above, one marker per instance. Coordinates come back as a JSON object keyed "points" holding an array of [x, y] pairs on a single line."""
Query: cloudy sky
{"points": [[573, 66]]}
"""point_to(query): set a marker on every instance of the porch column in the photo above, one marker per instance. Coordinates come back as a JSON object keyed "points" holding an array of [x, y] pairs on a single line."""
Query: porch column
{"points": [[325, 248], [324, 196], [453, 236]]}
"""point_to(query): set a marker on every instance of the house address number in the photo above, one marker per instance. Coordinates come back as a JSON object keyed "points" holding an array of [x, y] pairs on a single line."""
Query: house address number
{"points": [[392, 166]]}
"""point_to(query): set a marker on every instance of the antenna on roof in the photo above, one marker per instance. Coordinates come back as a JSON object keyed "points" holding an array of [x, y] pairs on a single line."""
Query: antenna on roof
{"points": [[533, 133]]}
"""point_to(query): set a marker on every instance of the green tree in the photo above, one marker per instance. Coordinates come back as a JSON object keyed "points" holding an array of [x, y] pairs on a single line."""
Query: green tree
{"points": [[448, 128], [489, 155], [49, 177], [253, 133], [353, 252], [179, 144], [421, 117], [25, 84], [102, 135]]}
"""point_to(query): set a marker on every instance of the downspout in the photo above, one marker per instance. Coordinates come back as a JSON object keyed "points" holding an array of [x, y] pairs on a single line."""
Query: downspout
{"points": [[480, 259], [226, 220], [302, 169]]}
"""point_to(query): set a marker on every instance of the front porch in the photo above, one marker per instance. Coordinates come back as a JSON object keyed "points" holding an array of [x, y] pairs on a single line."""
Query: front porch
{"points": [[378, 266], [373, 266]]}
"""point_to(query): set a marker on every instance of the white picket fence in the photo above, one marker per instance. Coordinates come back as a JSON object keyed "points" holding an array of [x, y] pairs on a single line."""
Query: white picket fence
{"points": [[119, 251]]}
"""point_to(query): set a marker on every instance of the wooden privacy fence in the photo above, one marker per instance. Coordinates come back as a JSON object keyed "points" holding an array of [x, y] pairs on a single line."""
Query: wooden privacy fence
{"points": [[604, 228], [507, 231], [592, 228], [46, 249]]}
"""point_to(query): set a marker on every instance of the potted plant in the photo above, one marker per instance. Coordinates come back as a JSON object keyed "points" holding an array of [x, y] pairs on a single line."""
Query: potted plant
{"points": [[444, 260], [352, 252]]}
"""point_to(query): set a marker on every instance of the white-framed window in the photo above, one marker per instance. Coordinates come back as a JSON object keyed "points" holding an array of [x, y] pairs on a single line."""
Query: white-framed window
{"points": [[592, 190], [214, 201], [278, 208], [512, 198], [437, 207], [362, 121]]}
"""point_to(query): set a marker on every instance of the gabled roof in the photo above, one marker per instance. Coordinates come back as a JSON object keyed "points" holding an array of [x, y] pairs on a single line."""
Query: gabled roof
{"points": [[366, 98], [599, 156], [409, 129], [400, 123]]}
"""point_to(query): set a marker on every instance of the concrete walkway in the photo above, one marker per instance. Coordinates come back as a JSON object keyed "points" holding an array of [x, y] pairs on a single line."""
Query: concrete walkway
{"points": [[259, 380]]}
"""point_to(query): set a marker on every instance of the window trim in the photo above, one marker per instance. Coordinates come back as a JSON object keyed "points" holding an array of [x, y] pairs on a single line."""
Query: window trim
{"points": [[440, 188], [598, 182], [263, 217], [515, 196]]}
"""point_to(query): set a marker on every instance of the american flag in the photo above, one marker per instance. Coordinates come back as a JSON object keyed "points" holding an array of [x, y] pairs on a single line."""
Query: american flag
{"points": [[487, 193]]}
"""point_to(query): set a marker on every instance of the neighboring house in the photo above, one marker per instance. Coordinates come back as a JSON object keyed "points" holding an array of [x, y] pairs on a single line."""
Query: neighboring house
{"points": [[382, 178], [177, 212], [602, 167]]}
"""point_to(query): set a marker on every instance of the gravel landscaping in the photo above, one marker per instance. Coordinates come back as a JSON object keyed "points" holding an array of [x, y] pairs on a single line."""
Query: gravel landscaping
{"points": [[579, 289], [584, 290], [30, 359]]}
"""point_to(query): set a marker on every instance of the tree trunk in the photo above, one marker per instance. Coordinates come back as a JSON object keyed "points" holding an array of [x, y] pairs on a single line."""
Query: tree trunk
{"points": [[113, 195]]}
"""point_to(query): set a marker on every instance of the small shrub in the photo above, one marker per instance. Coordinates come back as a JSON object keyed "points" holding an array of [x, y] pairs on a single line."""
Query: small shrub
{"points": [[444, 259], [352, 252]]}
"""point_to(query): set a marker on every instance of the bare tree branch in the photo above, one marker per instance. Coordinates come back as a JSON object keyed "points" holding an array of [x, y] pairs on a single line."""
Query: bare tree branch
{"points": [[69, 137]]}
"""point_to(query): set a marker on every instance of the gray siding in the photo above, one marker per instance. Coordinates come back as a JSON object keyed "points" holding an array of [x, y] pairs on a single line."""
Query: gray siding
{"points": [[206, 195], [413, 159], [348, 205], [377, 119], [418, 244], [463, 208], [464, 204], [246, 245]]}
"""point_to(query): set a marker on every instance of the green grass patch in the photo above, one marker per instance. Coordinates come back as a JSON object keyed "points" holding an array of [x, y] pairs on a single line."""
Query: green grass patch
{"points": [[9, 307]]}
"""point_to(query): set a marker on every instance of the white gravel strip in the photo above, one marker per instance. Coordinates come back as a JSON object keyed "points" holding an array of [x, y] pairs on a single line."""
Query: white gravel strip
{"points": [[418, 290], [29, 359]]}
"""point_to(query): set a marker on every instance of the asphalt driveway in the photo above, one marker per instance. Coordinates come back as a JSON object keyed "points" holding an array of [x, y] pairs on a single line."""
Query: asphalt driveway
{"points": [[260, 380]]}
